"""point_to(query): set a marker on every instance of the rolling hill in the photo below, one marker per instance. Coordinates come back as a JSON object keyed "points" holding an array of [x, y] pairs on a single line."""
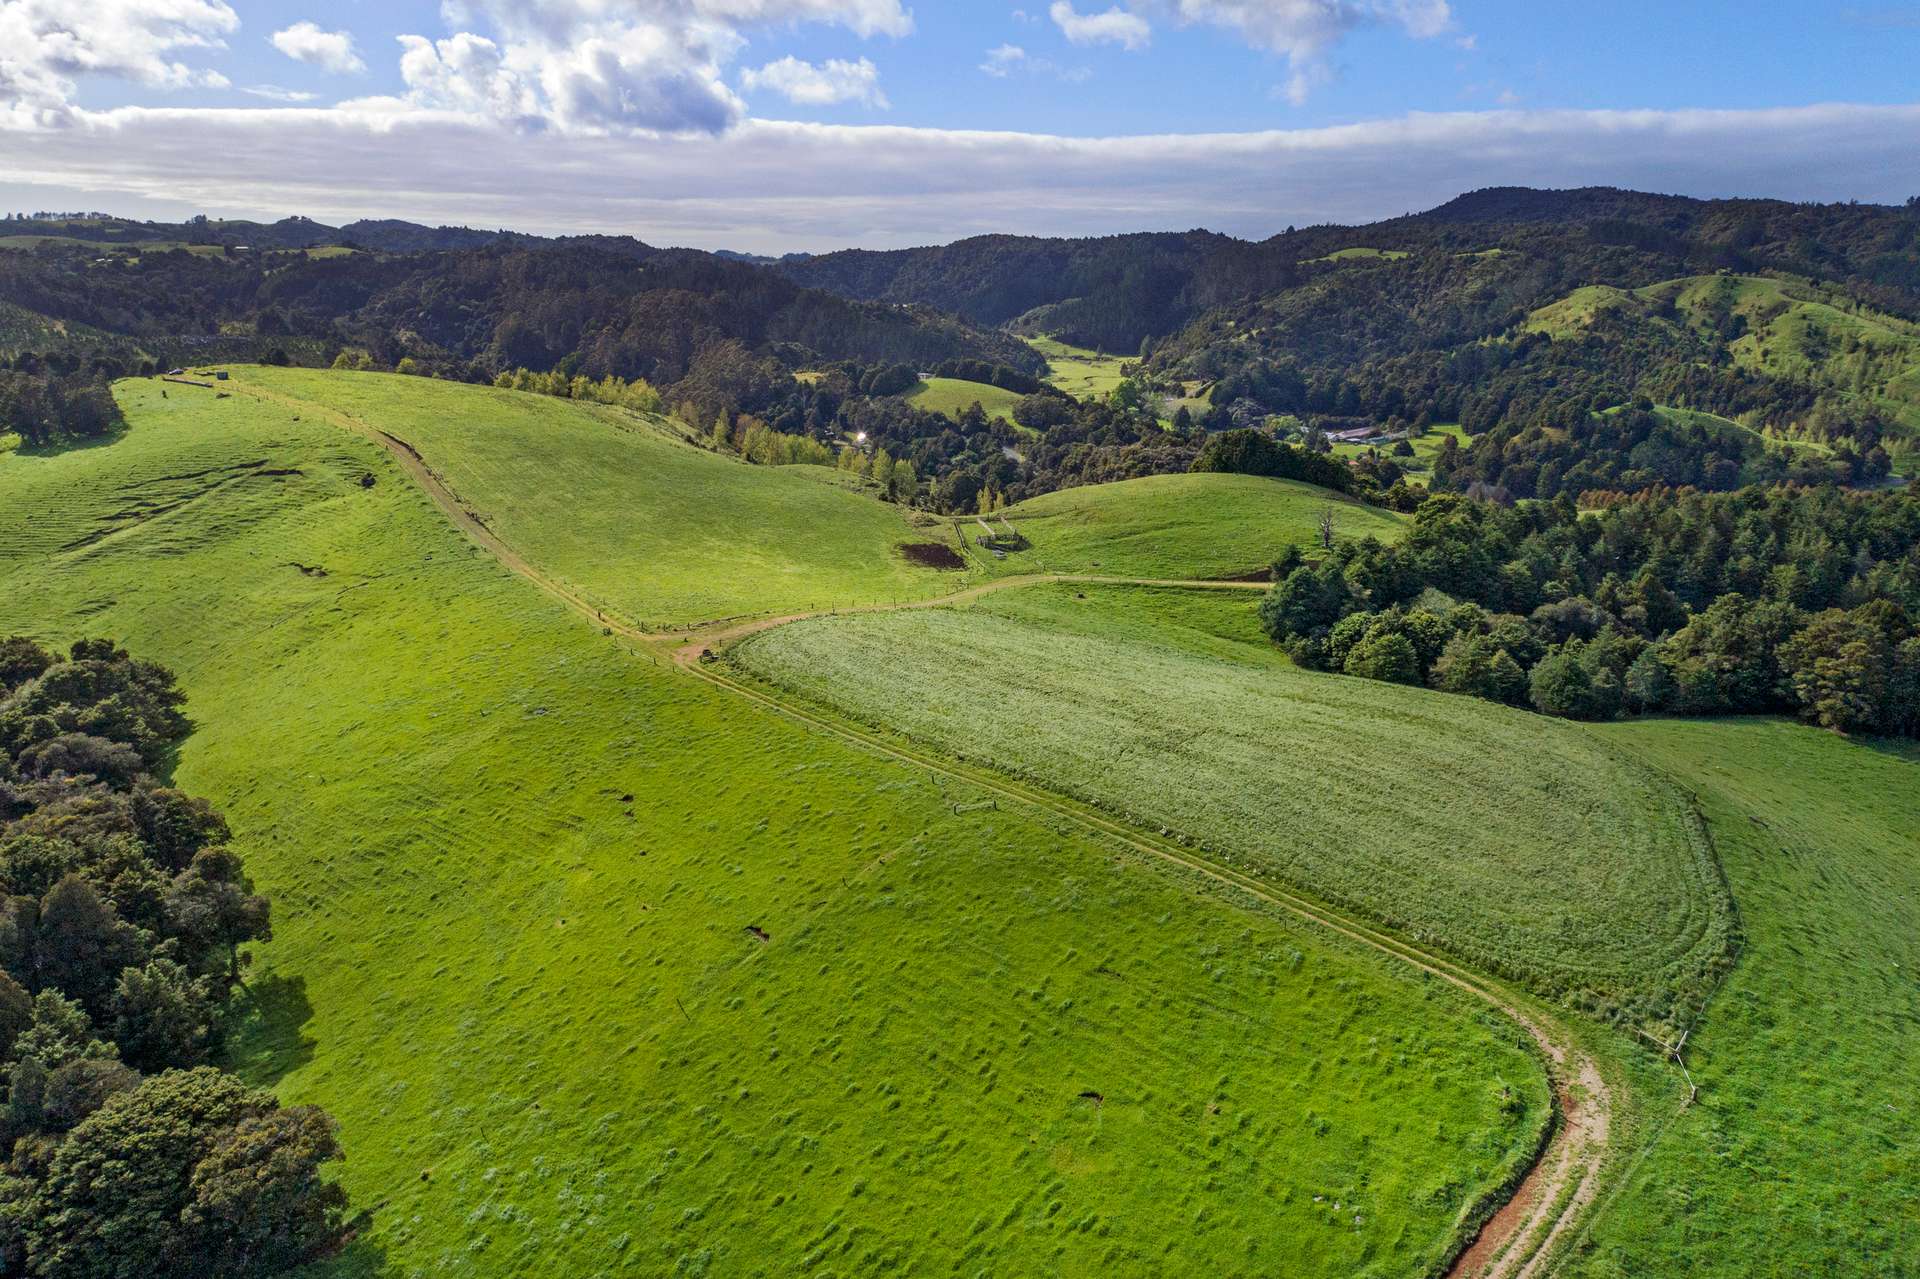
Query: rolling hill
{"points": [[1518, 844], [652, 529], [593, 960], [1173, 526]]}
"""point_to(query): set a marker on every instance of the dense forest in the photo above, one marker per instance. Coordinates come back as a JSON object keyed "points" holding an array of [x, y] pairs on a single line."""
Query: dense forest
{"points": [[1587, 343], [1771, 599], [124, 918], [471, 314]]}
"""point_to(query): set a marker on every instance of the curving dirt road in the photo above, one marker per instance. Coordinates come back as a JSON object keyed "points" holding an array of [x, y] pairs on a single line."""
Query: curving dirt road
{"points": [[1517, 1241]]}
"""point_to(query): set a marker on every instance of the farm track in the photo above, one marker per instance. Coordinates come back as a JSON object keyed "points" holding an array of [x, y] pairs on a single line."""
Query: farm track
{"points": [[1516, 1242]]}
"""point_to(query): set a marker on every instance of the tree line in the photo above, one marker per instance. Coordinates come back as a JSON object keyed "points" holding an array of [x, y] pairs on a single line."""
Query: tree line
{"points": [[124, 922], [1778, 599]]}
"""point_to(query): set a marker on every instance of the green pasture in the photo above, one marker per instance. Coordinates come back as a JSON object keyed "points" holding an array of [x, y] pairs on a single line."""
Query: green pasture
{"points": [[1802, 1155], [1523, 845], [1174, 526], [1362, 253], [1425, 448], [517, 873], [952, 396], [1082, 373], [658, 531]]}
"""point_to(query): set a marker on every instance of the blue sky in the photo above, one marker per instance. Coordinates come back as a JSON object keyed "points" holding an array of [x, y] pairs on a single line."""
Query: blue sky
{"points": [[1199, 78], [679, 120]]}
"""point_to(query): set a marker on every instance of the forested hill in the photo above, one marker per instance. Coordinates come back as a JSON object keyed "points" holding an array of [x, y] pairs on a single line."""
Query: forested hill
{"points": [[1114, 292], [597, 308]]}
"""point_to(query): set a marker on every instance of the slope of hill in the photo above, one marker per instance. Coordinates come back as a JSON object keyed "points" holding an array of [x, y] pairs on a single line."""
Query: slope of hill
{"points": [[1519, 844], [594, 961], [1773, 327], [1174, 526], [952, 396], [654, 530], [1800, 1156], [598, 307]]}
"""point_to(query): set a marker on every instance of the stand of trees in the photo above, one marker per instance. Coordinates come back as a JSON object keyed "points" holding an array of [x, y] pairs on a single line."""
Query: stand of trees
{"points": [[44, 400], [1785, 599], [123, 925]]}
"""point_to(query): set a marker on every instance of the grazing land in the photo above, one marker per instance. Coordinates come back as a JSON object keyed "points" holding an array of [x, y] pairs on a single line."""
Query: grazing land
{"points": [[1082, 373], [1524, 846], [953, 396], [1362, 253], [1801, 1156], [1176, 526], [1425, 449], [656, 530], [602, 968]]}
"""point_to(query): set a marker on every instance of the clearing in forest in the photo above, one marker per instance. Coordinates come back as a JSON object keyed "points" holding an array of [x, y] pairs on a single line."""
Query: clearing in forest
{"points": [[1176, 526]]}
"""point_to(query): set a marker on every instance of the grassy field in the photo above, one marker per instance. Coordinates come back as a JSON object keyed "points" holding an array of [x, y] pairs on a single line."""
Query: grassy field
{"points": [[1521, 844], [952, 396], [658, 531], [1804, 1152], [1362, 253], [515, 871], [1081, 373], [1176, 526], [1425, 449]]}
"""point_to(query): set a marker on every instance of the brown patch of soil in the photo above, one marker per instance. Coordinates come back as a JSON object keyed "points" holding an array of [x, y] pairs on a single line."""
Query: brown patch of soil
{"points": [[932, 555]]}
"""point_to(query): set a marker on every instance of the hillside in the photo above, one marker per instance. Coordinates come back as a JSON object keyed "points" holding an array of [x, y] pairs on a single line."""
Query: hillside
{"points": [[1115, 291], [592, 959], [1777, 328], [600, 308], [1174, 526], [1800, 1152], [622, 509], [1520, 845]]}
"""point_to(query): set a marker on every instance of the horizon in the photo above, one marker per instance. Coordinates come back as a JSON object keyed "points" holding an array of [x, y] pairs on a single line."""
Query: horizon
{"points": [[824, 124], [57, 215]]}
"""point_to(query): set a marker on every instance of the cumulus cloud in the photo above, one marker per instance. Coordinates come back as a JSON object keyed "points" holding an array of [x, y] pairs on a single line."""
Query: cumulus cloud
{"points": [[1115, 26], [612, 66], [781, 186], [329, 50], [45, 44], [1305, 31], [833, 81]]}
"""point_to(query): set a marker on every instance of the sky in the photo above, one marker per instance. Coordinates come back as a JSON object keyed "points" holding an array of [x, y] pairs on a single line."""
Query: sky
{"points": [[782, 125]]}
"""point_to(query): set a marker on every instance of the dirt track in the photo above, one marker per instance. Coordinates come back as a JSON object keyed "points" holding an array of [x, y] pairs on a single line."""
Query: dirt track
{"points": [[1516, 1243]]}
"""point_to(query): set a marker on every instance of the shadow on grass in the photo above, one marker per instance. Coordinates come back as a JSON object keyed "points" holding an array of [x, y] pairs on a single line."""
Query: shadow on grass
{"points": [[269, 1039], [360, 1259], [1899, 748], [68, 444]]}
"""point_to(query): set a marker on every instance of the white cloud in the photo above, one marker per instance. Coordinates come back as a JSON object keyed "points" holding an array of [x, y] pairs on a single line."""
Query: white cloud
{"points": [[1115, 26], [1305, 31], [274, 93], [1007, 59], [780, 186], [833, 81], [1003, 60], [46, 44], [612, 66], [329, 50]]}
